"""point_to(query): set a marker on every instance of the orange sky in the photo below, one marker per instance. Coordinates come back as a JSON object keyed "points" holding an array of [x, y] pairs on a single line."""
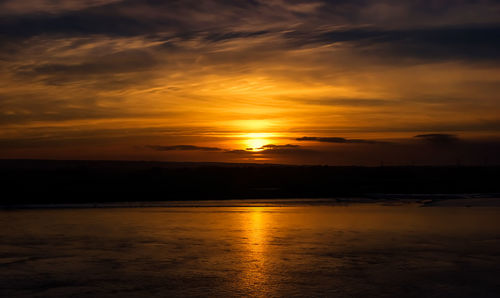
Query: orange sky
{"points": [[208, 81]]}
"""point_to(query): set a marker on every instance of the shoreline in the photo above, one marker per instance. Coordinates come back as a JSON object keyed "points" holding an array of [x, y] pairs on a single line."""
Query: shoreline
{"points": [[441, 200]]}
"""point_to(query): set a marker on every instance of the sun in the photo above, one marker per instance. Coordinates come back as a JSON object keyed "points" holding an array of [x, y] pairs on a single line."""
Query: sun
{"points": [[255, 141], [255, 144]]}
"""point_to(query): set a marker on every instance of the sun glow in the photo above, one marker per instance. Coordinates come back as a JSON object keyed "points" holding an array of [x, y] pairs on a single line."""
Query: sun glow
{"points": [[252, 125], [255, 144], [255, 141]]}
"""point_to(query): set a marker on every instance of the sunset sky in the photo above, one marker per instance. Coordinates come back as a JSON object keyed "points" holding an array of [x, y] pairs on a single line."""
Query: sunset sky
{"points": [[340, 82]]}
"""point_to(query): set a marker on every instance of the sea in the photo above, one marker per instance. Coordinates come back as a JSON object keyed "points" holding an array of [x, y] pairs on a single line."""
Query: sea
{"points": [[251, 248]]}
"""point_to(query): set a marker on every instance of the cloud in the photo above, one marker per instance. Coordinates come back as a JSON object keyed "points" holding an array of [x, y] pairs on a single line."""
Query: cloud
{"points": [[131, 18], [222, 36], [438, 138], [183, 148], [272, 146], [122, 62], [280, 23], [349, 22], [47, 6], [274, 149], [337, 140], [351, 102], [465, 42]]}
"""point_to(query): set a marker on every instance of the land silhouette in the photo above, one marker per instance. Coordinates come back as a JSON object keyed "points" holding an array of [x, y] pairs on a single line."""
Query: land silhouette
{"points": [[65, 181]]}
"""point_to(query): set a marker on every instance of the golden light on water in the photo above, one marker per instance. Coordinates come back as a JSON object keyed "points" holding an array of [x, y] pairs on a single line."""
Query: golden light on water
{"points": [[255, 257], [256, 229]]}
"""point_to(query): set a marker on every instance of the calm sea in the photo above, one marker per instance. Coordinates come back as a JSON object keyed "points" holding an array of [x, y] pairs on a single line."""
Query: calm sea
{"points": [[252, 248]]}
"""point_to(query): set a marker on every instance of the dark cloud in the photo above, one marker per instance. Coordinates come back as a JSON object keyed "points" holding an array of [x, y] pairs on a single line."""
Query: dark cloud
{"points": [[240, 151], [209, 19], [183, 148], [131, 18], [121, 62], [438, 138], [272, 146], [216, 37], [476, 42], [274, 149], [115, 19], [352, 102], [337, 140], [405, 13]]}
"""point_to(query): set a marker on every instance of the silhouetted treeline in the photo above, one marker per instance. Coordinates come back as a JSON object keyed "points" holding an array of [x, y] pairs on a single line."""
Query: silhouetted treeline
{"points": [[39, 181]]}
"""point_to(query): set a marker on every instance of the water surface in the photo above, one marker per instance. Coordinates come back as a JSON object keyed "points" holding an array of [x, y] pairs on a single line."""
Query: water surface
{"points": [[272, 249]]}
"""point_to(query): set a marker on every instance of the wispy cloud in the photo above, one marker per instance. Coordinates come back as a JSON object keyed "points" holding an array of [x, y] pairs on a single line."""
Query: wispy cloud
{"points": [[438, 138], [183, 148], [337, 140], [272, 146], [287, 149]]}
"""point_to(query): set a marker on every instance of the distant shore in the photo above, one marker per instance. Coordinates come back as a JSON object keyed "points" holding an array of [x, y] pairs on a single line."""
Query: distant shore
{"points": [[52, 183], [484, 200]]}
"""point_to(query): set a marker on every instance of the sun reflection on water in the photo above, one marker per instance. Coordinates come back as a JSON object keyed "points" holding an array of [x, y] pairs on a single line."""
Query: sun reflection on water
{"points": [[255, 276]]}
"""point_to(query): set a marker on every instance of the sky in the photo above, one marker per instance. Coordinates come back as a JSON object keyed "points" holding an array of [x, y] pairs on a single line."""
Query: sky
{"points": [[338, 82]]}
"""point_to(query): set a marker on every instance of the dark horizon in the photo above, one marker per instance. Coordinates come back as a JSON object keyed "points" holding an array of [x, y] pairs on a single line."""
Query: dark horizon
{"points": [[84, 181]]}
